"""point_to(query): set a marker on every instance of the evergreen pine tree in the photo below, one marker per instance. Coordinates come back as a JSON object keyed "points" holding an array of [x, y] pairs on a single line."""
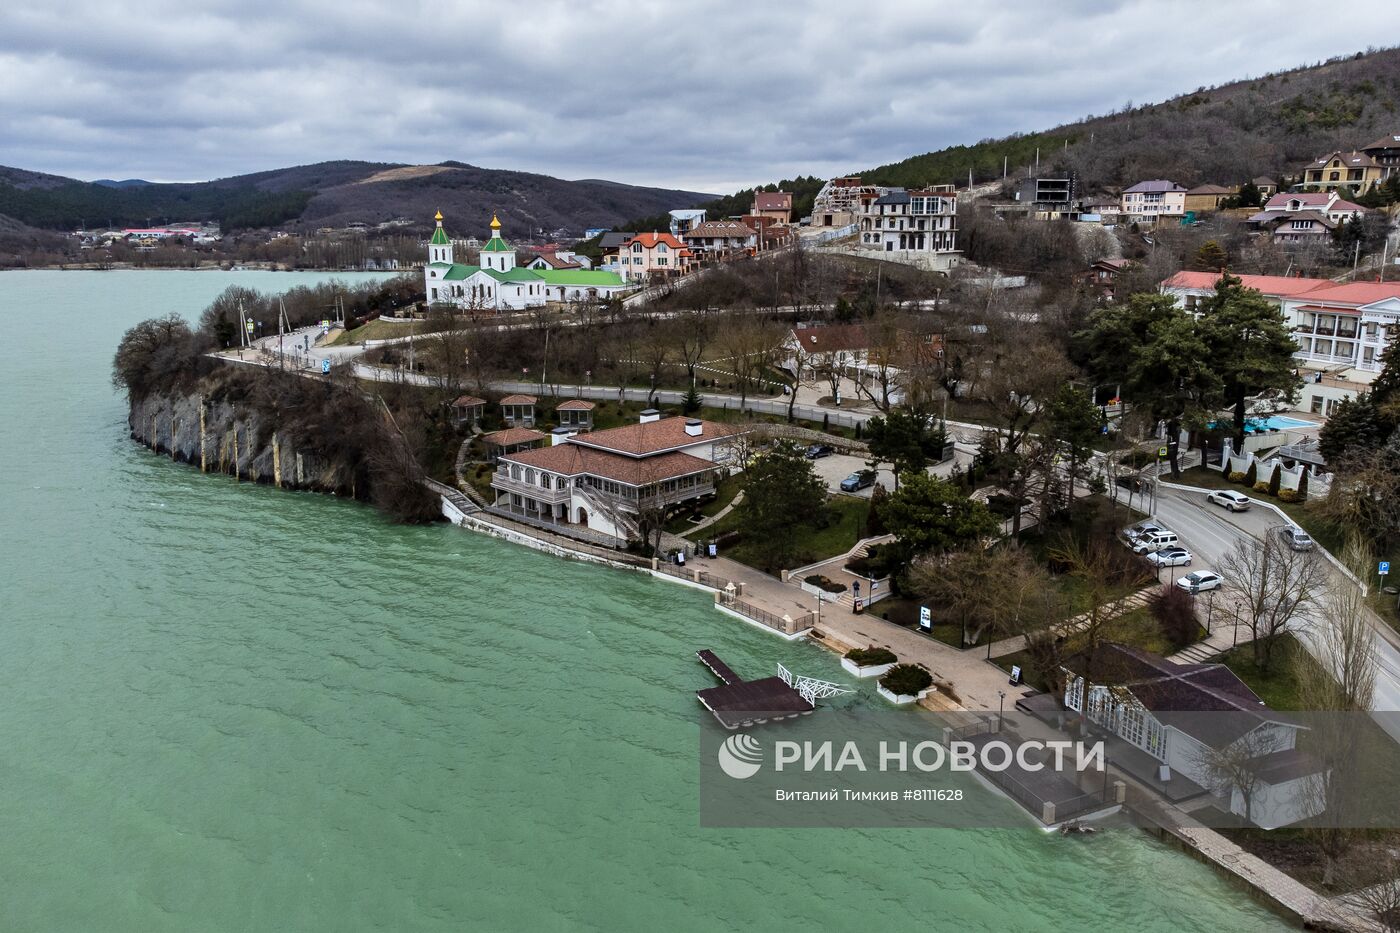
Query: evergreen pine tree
{"points": [[1251, 475], [1303, 484], [1275, 479]]}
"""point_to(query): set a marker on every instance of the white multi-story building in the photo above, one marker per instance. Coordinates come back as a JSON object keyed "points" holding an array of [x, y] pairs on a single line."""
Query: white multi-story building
{"points": [[1149, 200], [1341, 330], [920, 221]]}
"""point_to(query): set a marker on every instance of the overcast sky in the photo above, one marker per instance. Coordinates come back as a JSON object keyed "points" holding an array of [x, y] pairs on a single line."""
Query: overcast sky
{"points": [[710, 96]]}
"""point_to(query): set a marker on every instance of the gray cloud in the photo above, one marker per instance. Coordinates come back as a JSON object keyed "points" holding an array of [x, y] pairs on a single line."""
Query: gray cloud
{"points": [[709, 95]]}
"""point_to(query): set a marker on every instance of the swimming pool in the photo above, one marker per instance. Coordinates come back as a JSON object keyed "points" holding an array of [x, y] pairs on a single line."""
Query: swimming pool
{"points": [[1279, 423], [1271, 423]]}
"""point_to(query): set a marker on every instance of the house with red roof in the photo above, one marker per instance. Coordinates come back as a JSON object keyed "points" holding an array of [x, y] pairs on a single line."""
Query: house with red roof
{"points": [[604, 481], [774, 204], [1341, 330], [1302, 216], [652, 255]]}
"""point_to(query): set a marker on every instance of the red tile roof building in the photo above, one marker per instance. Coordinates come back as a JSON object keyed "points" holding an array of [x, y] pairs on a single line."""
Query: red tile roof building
{"points": [[604, 480]]}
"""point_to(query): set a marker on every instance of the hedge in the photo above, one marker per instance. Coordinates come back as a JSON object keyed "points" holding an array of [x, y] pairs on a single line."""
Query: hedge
{"points": [[871, 657], [906, 680]]}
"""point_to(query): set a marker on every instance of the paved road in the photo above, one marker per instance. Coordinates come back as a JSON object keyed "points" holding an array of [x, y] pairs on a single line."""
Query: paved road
{"points": [[1209, 532]]}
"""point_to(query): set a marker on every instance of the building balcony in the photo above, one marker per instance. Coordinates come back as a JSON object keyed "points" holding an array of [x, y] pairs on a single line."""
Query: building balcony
{"points": [[529, 490]]}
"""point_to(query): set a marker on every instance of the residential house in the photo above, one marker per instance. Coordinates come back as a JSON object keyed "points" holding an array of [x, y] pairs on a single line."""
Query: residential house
{"points": [[1296, 216], [512, 440], [1183, 716], [610, 244], [553, 257], [852, 350], [919, 221], [575, 413], [1355, 170], [1203, 199], [1146, 201], [1101, 209], [682, 221], [774, 204], [1341, 330], [653, 255], [519, 410], [1385, 152], [1049, 197], [1101, 275], [841, 345], [498, 284], [468, 409], [721, 237], [1266, 185], [604, 481]]}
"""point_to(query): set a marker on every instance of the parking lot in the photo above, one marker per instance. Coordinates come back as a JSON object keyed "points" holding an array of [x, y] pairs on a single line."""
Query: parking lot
{"points": [[835, 468]]}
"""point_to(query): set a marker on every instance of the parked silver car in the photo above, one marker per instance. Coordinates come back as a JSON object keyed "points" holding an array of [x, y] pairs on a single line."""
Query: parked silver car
{"points": [[1170, 557], [1295, 537]]}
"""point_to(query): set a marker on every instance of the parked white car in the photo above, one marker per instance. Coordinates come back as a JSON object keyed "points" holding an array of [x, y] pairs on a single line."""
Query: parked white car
{"points": [[1230, 500], [1170, 557], [1199, 581], [1155, 541]]}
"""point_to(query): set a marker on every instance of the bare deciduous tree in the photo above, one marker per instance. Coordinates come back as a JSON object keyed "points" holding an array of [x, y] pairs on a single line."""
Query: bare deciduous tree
{"points": [[1277, 587], [1235, 768]]}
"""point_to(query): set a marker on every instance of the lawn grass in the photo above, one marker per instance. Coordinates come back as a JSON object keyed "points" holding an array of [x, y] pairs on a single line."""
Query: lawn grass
{"points": [[376, 330], [725, 492], [1277, 686], [845, 526]]}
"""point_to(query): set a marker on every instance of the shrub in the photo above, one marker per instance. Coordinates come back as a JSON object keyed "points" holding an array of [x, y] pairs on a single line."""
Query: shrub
{"points": [[1175, 612], [871, 657], [906, 680], [1261, 487], [1251, 476], [1289, 495], [1236, 477], [881, 561], [825, 583], [728, 539], [1275, 478]]}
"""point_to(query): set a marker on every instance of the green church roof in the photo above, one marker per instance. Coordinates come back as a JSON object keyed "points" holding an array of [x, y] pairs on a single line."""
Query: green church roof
{"points": [[497, 245], [596, 278], [440, 237]]}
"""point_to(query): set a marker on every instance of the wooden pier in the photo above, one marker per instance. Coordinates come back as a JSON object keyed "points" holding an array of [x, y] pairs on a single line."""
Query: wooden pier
{"points": [[739, 703]]}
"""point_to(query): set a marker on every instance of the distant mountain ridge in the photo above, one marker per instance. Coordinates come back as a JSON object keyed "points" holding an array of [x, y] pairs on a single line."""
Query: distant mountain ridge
{"points": [[337, 193]]}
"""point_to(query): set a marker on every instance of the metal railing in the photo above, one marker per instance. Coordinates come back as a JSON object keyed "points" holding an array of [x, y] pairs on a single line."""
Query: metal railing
{"points": [[784, 624]]}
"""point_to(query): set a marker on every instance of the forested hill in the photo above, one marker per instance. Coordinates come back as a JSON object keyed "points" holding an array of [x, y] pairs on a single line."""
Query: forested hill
{"points": [[335, 194], [1271, 125], [1223, 135]]}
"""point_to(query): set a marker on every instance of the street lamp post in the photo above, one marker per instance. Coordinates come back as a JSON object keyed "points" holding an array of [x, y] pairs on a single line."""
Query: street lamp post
{"points": [[1001, 706], [1210, 611]]}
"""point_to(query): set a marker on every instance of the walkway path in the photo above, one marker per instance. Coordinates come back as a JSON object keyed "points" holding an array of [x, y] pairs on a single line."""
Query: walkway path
{"points": [[700, 526]]}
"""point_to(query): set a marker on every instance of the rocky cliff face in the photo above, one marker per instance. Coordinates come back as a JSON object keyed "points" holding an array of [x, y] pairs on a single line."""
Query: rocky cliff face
{"points": [[216, 436]]}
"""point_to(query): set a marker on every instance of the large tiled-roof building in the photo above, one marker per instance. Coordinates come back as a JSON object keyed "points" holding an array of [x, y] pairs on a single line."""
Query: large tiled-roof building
{"points": [[604, 480]]}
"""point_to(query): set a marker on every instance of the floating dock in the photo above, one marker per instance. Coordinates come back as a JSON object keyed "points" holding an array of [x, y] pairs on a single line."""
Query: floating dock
{"points": [[738, 703]]}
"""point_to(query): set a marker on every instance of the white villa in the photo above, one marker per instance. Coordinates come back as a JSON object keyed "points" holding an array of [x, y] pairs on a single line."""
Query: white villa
{"points": [[1341, 330], [604, 480], [1183, 715], [498, 284], [923, 221]]}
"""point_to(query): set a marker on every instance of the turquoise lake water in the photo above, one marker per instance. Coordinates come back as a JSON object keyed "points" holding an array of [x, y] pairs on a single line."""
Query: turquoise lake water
{"points": [[225, 707]]}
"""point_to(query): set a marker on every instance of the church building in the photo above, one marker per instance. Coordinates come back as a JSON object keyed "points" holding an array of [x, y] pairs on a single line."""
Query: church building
{"points": [[498, 284]]}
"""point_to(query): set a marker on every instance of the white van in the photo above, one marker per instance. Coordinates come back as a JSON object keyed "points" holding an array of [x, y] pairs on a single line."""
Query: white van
{"points": [[1155, 541]]}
